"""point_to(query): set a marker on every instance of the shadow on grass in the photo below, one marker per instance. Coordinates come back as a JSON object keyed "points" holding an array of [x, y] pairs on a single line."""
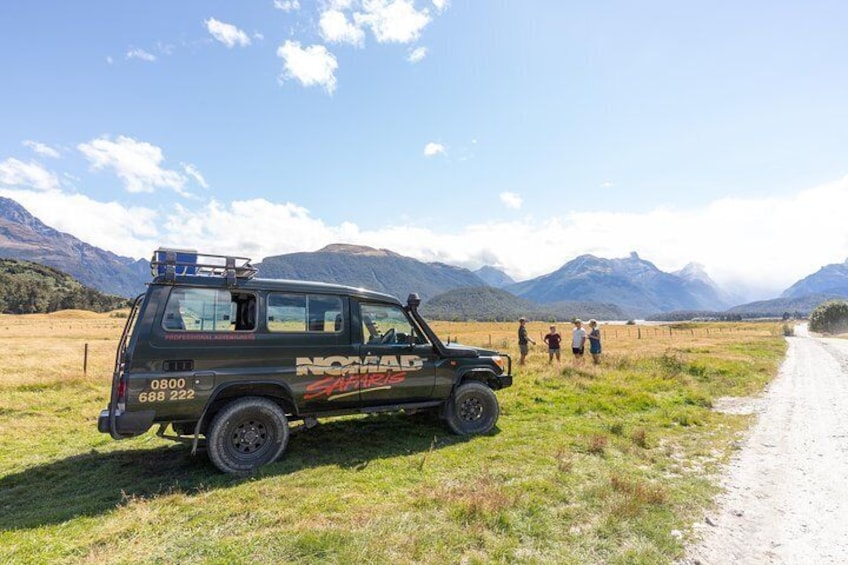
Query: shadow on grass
{"points": [[95, 483]]}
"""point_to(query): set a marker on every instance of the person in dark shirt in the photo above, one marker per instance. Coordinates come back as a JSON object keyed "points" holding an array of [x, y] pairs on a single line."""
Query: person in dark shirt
{"points": [[595, 342], [553, 340], [523, 340]]}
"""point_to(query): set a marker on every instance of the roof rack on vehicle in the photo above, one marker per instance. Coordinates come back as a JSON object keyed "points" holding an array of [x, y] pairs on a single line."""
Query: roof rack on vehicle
{"points": [[173, 263]]}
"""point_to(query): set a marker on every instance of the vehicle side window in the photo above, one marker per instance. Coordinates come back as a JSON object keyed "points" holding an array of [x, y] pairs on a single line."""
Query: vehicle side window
{"points": [[291, 312], [209, 310], [387, 324]]}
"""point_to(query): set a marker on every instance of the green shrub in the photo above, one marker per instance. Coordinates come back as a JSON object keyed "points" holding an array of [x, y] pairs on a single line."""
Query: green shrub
{"points": [[830, 317]]}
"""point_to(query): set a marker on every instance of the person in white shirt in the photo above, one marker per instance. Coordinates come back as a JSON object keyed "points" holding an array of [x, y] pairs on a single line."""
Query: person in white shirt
{"points": [[578, 341]]}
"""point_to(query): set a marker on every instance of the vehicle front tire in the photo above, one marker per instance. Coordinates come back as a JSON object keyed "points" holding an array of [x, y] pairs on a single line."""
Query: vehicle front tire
{"points": [[472, 409], [246, 434]]}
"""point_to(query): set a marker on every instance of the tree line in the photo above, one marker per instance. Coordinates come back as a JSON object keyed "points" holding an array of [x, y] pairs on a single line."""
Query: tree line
{"points": [[31, 288]]}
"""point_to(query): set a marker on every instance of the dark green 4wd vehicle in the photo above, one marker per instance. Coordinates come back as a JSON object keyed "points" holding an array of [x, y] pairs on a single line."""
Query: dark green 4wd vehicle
{"points": [[215, 352]]}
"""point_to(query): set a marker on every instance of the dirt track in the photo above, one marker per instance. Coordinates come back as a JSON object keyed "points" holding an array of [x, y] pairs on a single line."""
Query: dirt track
{"points": [[786, 498]]}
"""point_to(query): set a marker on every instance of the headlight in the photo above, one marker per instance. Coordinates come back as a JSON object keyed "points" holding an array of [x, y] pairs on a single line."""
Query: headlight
{"points": [[499, 362]]}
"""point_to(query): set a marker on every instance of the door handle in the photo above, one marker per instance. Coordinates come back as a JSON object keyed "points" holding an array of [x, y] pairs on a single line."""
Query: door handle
{"points": [[204, 380]]}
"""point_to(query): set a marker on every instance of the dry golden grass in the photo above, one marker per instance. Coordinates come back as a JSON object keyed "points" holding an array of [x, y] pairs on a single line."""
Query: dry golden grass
{"points": [[41, 349], [45, 348], [637, 340]]}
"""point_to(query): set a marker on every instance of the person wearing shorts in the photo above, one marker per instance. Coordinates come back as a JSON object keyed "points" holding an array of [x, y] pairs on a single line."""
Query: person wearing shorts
{"points": [[594, 342], [553, 340], [578, 341], [524, 340]]}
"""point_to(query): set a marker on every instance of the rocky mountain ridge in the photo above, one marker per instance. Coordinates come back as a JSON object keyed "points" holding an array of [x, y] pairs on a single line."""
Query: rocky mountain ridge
{"points": [[376, 269], [831, 279], [25, 237], [634, 284]]}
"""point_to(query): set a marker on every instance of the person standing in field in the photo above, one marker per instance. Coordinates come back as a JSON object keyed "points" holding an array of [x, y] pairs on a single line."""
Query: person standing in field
{"points": [[523, 340], [578, 341], [594, 341], [553, 340]]}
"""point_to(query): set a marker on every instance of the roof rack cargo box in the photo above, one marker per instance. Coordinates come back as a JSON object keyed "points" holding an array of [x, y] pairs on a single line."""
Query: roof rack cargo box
{"points": [[169, 262], [184, 261]]}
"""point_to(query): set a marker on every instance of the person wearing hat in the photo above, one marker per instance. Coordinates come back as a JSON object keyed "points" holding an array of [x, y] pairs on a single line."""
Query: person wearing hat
{"points": [[578, 341], [553, 340], [523, 339]]}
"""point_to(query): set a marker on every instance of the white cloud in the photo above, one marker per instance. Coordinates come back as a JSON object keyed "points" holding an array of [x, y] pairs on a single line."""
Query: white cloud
{"points": [[311, 66], [760, 246], [441, 5], [417, 55], [336, 28], [138, 164], [109, 60], [511, 200], [432, 149], [393, 21], [17, 174], [164, 48], [194, 173], [763, 245], [129, 231], [287, 5], [227, 34], [607, 184], [41, 148], [141, 54]]}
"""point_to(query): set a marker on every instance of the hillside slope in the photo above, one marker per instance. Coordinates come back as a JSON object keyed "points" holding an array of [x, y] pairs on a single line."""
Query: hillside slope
{"points": [[632, 283], [375, 269], [25, 237], [830, 279], [30, 288], [492, 304]]}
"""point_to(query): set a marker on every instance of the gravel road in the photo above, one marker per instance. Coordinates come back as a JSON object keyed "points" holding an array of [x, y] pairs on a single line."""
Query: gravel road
{"points": [[786, 497]]}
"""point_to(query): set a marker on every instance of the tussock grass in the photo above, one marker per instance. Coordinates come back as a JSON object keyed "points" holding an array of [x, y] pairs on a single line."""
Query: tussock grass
{"points": [[587, 464]]}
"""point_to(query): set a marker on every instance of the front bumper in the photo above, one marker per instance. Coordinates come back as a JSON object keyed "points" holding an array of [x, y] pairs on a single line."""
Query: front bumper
{"points": [[504, 381], [127, 424]]}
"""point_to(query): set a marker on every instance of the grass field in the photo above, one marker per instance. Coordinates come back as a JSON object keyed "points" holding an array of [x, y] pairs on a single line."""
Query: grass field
{"points": [[586, 465]]}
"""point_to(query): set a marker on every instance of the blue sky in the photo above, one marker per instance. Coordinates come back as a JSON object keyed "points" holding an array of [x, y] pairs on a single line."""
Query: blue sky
{"points": [[517, 134]]}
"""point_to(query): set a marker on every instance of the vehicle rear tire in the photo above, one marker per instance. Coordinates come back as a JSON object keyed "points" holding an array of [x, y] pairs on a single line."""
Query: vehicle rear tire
{"points": [[246, 434], [472, 409]]}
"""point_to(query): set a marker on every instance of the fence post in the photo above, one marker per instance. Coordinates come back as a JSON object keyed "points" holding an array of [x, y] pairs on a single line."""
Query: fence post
{"points": [[638, 333], [85, 361]]}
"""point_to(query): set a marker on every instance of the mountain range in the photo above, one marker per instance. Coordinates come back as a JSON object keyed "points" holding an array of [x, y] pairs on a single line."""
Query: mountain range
{"points": [[25, 237], [586, 286], [830, 279], [494, 277], [634, 284], [376, 269]]}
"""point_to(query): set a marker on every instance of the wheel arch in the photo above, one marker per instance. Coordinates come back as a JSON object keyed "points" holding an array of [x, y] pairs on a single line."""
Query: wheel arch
{"points": [[226, 393], [479, 374]]}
